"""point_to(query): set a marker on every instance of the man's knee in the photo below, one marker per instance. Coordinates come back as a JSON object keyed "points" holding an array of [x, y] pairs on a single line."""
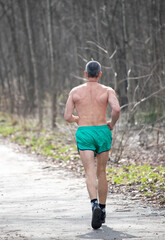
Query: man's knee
{"points": [[101, 172]]}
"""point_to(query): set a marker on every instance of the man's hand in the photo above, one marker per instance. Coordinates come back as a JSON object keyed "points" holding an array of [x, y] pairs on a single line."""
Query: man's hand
{"points": [[76, 118], [109, 124], [72, 119]]}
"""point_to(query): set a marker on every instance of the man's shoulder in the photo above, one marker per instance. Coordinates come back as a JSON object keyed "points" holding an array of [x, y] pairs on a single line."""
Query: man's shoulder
{"points": [[76, 89], [106, 87]]}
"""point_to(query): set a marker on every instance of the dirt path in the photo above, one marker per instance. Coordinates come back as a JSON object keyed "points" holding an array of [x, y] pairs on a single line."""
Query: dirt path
{"points": [[42, 202]]}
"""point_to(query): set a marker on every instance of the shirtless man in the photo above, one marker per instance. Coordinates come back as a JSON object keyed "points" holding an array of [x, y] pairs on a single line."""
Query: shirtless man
{"points": [[93, 135]]}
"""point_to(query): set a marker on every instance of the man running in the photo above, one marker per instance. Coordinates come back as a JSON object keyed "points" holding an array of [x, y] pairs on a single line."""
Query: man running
{"points": [[93, 135]]}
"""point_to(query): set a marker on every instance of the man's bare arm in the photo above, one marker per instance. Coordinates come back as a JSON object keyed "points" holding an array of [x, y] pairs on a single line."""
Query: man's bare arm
{"points": [[68, 116], [114, 103]]}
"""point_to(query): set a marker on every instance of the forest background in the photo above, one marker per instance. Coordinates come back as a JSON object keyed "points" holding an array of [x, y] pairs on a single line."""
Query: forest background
{"points": [[45, 44], [44, 47]]}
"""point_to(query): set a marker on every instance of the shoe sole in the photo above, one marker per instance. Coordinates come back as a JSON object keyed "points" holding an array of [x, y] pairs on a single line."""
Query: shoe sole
{"points": [[96, 218]]}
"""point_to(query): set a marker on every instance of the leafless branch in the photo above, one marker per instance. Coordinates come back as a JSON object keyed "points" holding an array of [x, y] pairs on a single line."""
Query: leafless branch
{"points": [[105, 51], [135, 78], [142, 100]]}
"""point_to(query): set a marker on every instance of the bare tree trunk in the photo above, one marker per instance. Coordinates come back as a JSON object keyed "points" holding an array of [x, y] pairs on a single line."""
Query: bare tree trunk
{"points": [[97, 29], [3, 80], [52, 70], [130, 91], [34, 65]]}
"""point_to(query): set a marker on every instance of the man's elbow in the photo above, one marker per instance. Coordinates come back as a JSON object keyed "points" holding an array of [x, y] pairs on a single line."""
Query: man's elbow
{"points": [[117, 111], [67, 117]]}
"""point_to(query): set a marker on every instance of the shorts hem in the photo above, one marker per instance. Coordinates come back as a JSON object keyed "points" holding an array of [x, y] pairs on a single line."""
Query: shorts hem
{"points": [[86, 149], [103, 151], [94, 150]]}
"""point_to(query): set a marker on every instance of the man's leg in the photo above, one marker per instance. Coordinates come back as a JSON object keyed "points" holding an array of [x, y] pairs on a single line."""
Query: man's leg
{"points": [[87, 158], [102, 159]]}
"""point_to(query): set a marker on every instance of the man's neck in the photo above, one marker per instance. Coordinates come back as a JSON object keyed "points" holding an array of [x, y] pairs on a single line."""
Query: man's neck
{"points": [[93, 80]]}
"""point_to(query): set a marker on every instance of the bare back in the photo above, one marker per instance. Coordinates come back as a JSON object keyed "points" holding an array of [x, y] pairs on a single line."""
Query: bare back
{"points": [[90, 101]]}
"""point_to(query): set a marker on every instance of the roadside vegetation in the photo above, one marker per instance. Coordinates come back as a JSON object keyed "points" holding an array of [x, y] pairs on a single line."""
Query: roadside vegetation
{"points": [[141, 179]]}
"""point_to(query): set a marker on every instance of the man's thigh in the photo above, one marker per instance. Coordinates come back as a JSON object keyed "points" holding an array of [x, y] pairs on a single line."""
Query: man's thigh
{"points": [[87, 158], [102, 159]]}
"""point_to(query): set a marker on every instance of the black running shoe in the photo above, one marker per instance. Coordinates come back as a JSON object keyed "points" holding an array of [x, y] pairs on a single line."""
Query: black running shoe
{"points": [[103, 216], [96, 217]]}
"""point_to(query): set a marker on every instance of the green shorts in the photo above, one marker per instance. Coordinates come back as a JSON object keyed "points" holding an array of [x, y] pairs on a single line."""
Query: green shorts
{"points": [[95, 138]]}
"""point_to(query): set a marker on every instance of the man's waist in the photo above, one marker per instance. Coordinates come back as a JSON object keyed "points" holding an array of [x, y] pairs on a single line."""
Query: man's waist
{"points": [[92, 127], [89, 122]]}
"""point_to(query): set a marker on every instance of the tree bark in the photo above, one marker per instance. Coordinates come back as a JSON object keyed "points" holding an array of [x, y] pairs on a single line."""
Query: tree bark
{"points": [[52, 69], [34, 65], [130, 91]]}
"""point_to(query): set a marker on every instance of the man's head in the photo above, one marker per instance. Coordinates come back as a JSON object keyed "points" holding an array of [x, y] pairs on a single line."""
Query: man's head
{"points": [[93, 69]]}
